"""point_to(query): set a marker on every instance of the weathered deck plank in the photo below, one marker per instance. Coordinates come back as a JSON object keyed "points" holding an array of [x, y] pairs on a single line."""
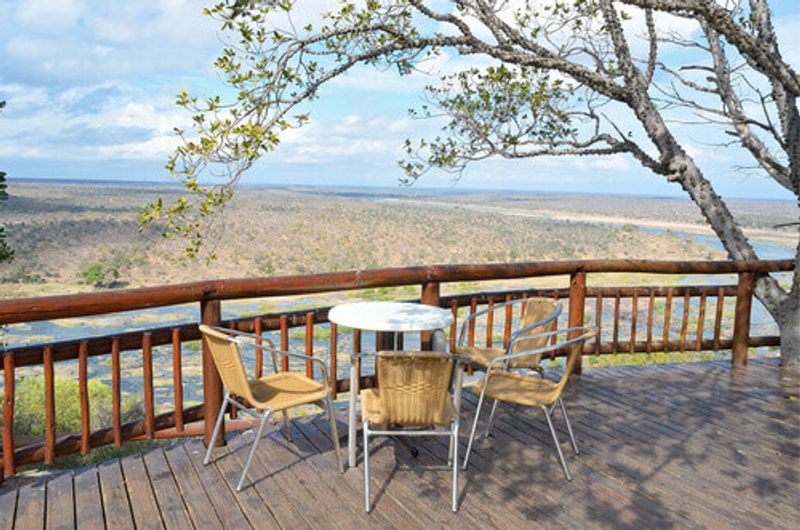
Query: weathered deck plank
{"points": [[604, 491], [140, 492], [60, 502], [115, 499], [666, 446], [283, 457], [31, 506], [88, 501], [8, 507], [201, 509], [224, 502], [170, 503]]}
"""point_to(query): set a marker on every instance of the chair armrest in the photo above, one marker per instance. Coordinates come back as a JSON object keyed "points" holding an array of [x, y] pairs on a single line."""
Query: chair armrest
{"points": [[270, 347], [586, 332], [463, 332], [282, 353], [234, 333]]}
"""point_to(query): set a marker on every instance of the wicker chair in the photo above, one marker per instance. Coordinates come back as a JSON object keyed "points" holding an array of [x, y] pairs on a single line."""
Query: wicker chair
{"points": [[530, 391], [415, 389], [268, 395], [540, 315]]}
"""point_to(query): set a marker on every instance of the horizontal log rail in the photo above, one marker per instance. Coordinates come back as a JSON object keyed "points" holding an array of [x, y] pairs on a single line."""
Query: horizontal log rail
{"points": [[632, 319], [31, 355], [64, 306]]}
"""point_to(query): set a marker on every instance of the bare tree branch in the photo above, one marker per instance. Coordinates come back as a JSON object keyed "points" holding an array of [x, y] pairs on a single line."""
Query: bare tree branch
{"points": [[735, 111], [762, 57]]}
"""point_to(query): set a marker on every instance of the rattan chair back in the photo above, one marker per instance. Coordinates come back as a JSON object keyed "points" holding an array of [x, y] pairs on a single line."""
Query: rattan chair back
{"points": [[414, 387], [536, 310], [574, 352], [228, 361]]}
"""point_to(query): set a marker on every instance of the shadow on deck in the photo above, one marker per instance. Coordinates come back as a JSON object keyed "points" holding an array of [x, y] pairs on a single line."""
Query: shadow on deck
{"points": [[679, 445]]}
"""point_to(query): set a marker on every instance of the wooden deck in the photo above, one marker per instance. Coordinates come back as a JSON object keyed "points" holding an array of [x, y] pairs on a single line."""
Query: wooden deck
{"points": [[662, 446]]}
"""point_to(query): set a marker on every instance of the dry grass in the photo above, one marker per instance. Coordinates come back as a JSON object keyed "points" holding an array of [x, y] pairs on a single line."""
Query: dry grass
{"points": [[58, 229]]}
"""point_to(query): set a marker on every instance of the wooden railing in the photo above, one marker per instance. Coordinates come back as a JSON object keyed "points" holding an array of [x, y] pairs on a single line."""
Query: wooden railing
{"points": [[609, 308]]}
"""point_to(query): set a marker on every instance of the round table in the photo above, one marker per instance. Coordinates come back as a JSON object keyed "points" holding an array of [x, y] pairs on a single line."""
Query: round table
{"points": [[382, 317], [390, 316]]}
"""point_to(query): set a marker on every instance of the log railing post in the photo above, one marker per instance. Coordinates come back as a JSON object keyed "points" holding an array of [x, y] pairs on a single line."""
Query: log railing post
{"points": [[211, 315], [577, 303], [741, 319], [49, 407], [9, 465], [430, 296]]}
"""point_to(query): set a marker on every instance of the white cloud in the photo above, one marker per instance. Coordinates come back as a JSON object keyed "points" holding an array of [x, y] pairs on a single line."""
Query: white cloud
{"points": [[617, 162], [50, 16], [373, 139], [157, 147], [70, 41], [99, 121]]}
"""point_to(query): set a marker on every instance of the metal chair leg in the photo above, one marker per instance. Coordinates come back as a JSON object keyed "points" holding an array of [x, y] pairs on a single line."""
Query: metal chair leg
{"points": [[490, 424], [558, 446], [569, 427], [355, 367], [217, 427], [334, 433], [253, 449], [472, 432], [450, 460], [454, 443], [287, 427], [365, 431]]}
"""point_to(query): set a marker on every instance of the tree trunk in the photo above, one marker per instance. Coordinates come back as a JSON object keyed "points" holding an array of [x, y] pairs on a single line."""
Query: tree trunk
{"points": [[789, 324], [784, 307]]}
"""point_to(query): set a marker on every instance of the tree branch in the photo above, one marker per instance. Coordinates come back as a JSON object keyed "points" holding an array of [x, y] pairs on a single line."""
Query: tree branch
{"points": [[735, 112], [763, 58]]}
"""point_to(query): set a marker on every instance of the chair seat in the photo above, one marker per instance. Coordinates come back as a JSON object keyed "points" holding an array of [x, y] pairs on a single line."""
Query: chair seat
{"points": [[284, 390], [372, 410], [520, 389], [481, 357]]}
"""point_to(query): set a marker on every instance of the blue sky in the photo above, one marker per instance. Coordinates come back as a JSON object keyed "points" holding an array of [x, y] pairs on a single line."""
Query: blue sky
{"points": [[90, 87]]}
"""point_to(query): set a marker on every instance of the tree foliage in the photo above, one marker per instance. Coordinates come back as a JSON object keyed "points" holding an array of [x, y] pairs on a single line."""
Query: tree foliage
{"points": [[566, 78]]}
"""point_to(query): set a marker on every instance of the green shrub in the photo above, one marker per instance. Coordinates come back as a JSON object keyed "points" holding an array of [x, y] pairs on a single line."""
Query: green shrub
{"points": [[107, 272], [29, 405], [100, 274]]}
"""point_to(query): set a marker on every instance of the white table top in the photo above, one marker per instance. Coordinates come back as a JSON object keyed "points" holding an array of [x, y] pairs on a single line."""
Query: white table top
{"points": [[390, 316]]}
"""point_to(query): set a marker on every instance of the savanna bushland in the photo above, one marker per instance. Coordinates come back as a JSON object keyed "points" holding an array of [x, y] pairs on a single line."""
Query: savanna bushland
{"points": [[71, 237]]}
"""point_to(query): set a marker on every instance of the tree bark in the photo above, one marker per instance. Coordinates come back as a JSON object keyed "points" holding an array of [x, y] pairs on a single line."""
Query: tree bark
{"points": [[789, 324]]}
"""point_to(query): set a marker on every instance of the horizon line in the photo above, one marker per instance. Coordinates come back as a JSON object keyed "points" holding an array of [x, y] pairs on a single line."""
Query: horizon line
{"points": [[399, 188]]}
